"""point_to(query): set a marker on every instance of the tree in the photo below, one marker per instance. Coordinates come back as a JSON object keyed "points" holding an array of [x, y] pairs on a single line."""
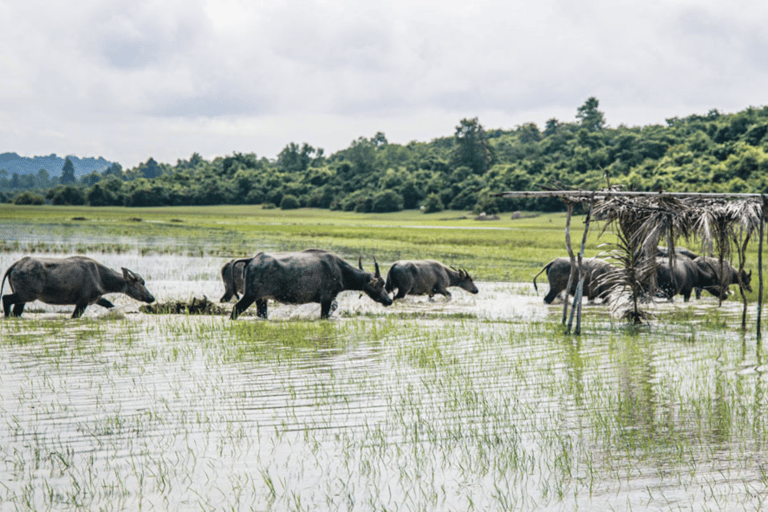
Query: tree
{"points": [[289, 202], [432, 204], [471, 147], [151, 169], [591, 118], [67, 173], [387, 201]]}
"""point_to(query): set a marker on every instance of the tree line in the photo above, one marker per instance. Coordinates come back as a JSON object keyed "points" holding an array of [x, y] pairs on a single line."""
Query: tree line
{"points": [[700, 153]]}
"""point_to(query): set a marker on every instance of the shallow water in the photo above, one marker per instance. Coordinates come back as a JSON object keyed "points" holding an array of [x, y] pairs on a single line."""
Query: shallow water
{"points": [[478, 403]]}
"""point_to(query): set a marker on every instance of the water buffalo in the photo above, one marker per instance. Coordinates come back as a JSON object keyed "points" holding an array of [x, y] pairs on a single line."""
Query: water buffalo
{"points": [[709, 269], [559, 269], [312, 275], [426, 277], [663, 252], [75, 280], [232, 276]]}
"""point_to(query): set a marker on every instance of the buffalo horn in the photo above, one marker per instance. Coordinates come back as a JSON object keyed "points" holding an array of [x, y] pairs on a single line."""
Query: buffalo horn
{"points": [[376, 264], [360, 262]]}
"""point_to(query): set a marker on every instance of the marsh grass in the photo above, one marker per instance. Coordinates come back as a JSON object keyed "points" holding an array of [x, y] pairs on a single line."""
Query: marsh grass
{"points": [[386, 412]]}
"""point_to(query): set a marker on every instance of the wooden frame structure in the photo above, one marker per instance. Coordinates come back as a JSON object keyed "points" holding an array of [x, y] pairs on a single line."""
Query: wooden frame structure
{"points": [[758, 202]]}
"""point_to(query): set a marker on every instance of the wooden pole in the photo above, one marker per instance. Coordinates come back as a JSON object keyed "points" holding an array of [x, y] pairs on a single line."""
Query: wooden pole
{"points": [[569, 206], [760, 269], [578, 298]]}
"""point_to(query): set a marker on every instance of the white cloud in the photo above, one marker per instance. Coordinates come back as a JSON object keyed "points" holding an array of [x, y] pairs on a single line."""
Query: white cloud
{"points": [[129, 80]]}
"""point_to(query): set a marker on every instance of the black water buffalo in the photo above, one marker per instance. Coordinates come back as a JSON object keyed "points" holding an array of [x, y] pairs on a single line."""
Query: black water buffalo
{"points": [[312, 275], [710, 271], [663, 252], [75, 280], [680, 279], [232, 276], [426, 277], [559, 269]]}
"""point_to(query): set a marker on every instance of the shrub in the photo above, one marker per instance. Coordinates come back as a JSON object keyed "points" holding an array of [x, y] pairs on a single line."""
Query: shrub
{"points": [[387, 201], [433, 204], [29, 198], [289, 202]]}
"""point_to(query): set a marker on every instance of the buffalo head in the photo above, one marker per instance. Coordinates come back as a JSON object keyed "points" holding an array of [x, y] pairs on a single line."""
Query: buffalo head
{"points": [[746, 280], [134, 287], [465, 281], [374, 284]]}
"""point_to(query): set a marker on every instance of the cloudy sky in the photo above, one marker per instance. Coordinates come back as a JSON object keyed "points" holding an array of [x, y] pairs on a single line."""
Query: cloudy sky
{"points": [[130, 79]]}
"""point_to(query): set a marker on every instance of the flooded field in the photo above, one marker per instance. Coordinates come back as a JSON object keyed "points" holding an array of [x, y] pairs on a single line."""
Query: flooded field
{"points": [[477, 403]]}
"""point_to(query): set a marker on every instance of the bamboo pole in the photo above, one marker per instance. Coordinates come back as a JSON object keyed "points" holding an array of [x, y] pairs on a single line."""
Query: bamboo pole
{"points": [[569, 206], [760, 269], [577, 299]]}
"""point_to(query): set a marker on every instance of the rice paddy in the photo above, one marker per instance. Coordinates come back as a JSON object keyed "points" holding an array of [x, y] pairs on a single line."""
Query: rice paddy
{"points": [[477, 403]]}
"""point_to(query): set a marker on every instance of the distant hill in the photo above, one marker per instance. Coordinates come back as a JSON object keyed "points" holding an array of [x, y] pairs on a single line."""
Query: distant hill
{"points": [[23, 165]]}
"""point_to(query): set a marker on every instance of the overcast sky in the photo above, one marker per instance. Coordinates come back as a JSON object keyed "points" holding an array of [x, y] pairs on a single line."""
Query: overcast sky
{"points": [[133, 79]]}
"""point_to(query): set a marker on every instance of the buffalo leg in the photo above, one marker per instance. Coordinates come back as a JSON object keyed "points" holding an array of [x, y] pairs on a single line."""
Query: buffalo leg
{"points": [[105, 303], [325, 308], [241, 306], [79, 310], [8, 301], [261, 308]]}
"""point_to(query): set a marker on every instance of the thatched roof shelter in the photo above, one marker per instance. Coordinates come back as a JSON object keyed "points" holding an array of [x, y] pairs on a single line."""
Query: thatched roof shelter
{"points": [[723, 223]]}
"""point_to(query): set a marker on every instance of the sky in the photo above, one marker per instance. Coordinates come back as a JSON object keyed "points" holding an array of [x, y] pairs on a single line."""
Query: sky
{"points": [[132, 79]]}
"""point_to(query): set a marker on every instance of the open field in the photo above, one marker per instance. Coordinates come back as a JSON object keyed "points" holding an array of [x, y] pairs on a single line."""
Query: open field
{"points": [[478, 403], [504, 250]]}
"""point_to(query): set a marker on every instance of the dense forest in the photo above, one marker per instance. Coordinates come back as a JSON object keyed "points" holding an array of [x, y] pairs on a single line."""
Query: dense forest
{"points": [[700, 153]]}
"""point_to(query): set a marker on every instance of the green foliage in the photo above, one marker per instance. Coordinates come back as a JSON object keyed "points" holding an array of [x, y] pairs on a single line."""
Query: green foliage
{"points": [[387, 201], [67, 195], [289, 202], [28, 197], [715, 152], [67, 173], [432, 204]]}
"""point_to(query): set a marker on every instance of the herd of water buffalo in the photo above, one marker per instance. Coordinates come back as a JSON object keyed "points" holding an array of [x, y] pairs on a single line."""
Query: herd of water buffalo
{"points": [[318, 276], [686, 273], [312, 275]]}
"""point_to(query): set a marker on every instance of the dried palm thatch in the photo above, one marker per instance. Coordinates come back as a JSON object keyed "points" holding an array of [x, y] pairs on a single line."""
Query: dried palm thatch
{"points": [[639, 225]]}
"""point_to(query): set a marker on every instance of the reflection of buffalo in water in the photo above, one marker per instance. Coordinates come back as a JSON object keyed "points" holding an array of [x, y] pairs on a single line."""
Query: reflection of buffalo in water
{"points": [[300, 277], [427, 277], [595, 284], [75, 280]]}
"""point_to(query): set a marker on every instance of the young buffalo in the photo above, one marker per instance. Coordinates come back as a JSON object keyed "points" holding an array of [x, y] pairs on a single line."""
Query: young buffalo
{"points": [[426, 277]]}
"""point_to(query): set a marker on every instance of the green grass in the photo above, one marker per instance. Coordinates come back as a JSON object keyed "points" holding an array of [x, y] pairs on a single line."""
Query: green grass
{"points": [[504, 250]]}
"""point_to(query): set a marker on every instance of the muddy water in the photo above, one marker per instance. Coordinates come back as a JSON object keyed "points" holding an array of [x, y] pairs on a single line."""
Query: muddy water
{"points": [[474, 403]]}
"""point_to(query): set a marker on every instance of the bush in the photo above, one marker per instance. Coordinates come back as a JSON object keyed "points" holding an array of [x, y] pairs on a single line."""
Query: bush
{"points": [[67, 195], [289, 202], [387, 201], [433, 204], [29, 198]]}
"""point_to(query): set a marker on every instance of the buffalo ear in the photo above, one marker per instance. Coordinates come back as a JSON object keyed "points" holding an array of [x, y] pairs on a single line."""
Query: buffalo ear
{"points": [[128, 275]]}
